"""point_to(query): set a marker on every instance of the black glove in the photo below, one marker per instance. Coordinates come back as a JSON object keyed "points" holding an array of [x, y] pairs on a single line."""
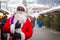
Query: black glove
{"points": [[17, 25], [17, 35]]}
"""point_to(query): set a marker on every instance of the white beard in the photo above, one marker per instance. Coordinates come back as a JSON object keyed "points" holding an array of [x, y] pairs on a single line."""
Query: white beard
{"points": [[21, 17]]}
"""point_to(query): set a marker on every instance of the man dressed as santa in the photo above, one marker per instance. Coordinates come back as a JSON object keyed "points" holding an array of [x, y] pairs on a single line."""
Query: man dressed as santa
{"points": [[19, 26]]}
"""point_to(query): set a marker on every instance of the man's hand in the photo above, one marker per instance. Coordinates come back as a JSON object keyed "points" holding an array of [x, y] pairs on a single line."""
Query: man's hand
{"points": [[17, 25], [17, 35]]}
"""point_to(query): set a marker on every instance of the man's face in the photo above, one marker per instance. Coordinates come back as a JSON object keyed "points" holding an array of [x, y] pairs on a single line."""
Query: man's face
{"points": [[19, 12]]}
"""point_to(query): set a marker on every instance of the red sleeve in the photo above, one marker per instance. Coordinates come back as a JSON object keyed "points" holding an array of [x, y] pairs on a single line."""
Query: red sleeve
{"points": [[28, 33], [6, 27]]}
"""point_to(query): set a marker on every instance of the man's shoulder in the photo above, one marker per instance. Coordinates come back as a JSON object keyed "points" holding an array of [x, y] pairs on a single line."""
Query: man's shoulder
{"points": [[9, 18]]}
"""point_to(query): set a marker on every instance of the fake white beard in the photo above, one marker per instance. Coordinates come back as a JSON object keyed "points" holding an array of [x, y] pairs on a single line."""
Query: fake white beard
{"points": [[21, 17]]}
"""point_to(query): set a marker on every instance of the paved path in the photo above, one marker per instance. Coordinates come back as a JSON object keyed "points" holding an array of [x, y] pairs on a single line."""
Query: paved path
{"points": [[45, 34]]}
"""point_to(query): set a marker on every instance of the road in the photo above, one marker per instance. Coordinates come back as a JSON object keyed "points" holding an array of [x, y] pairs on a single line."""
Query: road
{"points": [[44, 34]]}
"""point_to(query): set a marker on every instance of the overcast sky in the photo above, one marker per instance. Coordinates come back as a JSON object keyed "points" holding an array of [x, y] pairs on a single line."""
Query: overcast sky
{"points": [[48, 1]]}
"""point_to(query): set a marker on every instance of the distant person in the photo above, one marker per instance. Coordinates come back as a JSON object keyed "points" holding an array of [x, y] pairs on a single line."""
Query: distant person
{"points": [[40, 24], [3, 34], [19, 26], [1, 16], [33, 22], [32, 19]]}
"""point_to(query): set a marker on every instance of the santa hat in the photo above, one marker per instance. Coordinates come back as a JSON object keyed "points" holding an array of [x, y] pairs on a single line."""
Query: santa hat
{"points": [[22, 6]]}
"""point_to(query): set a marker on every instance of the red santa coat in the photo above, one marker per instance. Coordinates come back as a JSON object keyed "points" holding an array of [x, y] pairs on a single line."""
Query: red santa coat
{"points": [[26, 28]]}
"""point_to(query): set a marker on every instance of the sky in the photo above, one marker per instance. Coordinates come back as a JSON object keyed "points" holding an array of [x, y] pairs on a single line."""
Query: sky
{"points": [[52, 3], [57, 2]]}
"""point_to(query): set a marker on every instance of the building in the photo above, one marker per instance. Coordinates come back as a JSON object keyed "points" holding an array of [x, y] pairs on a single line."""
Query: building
{"points": [[3, 4], [10, 5]]}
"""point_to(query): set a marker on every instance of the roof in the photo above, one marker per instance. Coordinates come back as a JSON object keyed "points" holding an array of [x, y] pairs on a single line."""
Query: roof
{"points": [[5, 11], [50, 10], [46, 11]]}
